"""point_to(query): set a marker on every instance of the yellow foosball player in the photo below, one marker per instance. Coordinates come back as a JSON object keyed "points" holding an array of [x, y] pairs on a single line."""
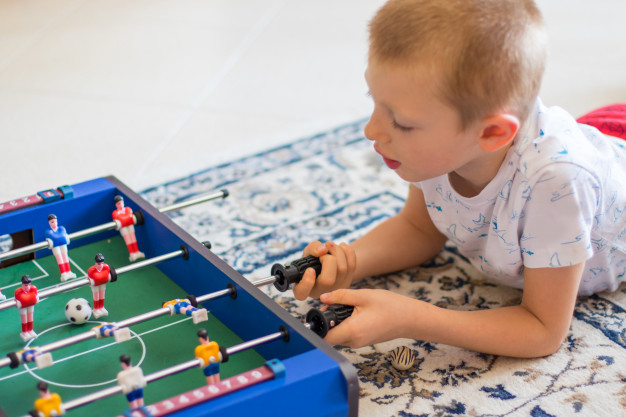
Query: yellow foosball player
{"points": [[49, 405], [211, 357]]}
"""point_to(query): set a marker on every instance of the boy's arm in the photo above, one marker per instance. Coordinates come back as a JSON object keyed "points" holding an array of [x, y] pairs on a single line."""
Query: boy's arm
{"points": [[408, 239], [402, 241], [534, 328]]}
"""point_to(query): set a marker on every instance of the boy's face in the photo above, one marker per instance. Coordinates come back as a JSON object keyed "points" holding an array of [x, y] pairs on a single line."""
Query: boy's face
{"points": [[417, 135]]}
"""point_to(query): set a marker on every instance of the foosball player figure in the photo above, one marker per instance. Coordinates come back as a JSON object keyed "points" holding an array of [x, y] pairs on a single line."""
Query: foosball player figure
{"points": [[126, 220], [26, 297], [99, 276], [58, 240], [49, 404], [132, 381], [188, 308], [209, 353]]}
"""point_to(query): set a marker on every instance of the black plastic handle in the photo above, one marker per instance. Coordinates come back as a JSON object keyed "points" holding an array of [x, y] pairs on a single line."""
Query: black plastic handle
{"points": [[292, 272], [322, 321]]}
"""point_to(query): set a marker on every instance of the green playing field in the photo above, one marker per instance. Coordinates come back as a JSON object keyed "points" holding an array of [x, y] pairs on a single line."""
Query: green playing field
{"points": [[92, 365]]}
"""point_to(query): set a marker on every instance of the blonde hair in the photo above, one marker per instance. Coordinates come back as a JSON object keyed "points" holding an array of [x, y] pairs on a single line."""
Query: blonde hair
{"points": [[485, 56]]}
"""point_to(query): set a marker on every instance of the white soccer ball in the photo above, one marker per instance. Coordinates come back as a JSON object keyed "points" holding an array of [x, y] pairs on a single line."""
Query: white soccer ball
{"points": [[78, 310]]}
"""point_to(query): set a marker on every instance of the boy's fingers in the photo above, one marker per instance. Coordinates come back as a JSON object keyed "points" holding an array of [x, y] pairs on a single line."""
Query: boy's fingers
{"points": [[329, 272], [350, 256], [302, 290], [341, 296], [315, 248], [338, 253]]}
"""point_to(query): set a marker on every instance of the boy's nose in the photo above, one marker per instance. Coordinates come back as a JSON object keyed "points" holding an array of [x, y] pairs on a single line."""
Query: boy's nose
{"points": [[373, 131]]}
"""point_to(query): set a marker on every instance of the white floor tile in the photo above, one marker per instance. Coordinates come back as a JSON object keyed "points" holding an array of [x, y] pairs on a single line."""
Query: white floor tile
{"points": [[185, 84]]}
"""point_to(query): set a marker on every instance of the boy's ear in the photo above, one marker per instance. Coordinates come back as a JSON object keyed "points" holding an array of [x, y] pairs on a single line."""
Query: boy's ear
{"points": [[498, 131]]}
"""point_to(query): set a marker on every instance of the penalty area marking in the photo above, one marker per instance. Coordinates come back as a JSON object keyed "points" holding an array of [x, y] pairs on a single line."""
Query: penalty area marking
{"points": [[37, 278]]}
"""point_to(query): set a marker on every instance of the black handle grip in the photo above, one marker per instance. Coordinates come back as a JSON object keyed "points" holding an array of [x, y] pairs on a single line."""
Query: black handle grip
{"points": [[322, 321], [292, 272]]}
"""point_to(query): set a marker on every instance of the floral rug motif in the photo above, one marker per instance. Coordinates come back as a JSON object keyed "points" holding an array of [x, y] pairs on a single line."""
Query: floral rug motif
{"points": [[332, 186]]}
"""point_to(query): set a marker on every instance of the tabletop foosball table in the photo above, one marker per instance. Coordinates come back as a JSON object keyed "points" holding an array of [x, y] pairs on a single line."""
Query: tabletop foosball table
{"points": [[199, 338]]}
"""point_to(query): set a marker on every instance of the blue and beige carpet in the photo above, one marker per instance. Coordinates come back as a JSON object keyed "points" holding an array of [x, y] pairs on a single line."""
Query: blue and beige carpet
{"points": [[333, 186]]}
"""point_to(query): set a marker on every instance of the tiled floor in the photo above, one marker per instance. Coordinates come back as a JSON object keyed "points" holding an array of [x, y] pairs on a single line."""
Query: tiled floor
{"points": [[150, 90]]}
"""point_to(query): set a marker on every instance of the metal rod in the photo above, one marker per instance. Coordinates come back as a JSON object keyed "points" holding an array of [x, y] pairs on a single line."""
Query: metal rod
{"points": [[172, 370], [68, 341], [255, 342], [107, 226], [89, 398], [47, 292], [147, 262], [92, 230], [264, 281], [143, 317], [213, 295], [190, 202], [24, 250], [121, 324], [155, 376], [81, 282]]}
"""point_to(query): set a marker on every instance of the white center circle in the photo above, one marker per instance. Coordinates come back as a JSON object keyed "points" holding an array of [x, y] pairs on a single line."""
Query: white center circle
{"points": [[86, 352]]}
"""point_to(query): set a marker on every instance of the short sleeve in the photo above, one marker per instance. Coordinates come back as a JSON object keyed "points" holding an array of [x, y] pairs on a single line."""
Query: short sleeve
{"points": [[559, 217]]}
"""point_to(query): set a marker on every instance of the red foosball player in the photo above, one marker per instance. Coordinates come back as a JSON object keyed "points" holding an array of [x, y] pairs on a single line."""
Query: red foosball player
{"points": [[99, 276], [49, 404], [132, 381], [126, 220], [211, 357], [26, 297], [58, 240]]}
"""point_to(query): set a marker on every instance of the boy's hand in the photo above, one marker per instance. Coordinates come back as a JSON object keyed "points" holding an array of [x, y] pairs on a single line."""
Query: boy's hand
{"points": [[338, 266], [378, 316]]}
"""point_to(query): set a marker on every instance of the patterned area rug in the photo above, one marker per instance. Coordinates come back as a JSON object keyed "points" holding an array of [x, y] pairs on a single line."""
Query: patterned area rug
{"points": [[333, 186]]}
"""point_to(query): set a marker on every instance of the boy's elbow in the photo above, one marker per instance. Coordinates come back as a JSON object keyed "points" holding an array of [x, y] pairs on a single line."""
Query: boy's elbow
{"points": [[548, 345], [547, 350]]}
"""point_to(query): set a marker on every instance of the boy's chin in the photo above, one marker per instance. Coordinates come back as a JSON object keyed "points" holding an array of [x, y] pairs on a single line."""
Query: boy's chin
{"points": [[411, 176]]}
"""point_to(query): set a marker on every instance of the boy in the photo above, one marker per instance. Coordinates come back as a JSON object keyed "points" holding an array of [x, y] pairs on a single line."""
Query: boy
{"points": [[532, 199]]}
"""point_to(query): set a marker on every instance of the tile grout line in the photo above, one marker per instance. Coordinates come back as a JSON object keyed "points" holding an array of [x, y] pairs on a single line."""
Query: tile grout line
{"points": [[38, 34], [253, 34]]}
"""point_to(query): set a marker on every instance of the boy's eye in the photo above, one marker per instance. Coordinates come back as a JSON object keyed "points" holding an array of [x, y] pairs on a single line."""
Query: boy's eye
{"points": [[400, 127]]}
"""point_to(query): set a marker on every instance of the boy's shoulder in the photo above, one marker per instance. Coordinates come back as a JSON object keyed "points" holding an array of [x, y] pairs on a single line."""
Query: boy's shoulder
{"points": [[553, 140]]}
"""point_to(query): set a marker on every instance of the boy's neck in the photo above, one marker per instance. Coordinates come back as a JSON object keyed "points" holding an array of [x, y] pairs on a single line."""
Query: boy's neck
{"points": [[471, 180]]}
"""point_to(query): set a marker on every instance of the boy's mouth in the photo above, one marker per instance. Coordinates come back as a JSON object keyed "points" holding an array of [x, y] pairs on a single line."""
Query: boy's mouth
{"points": [[391, 163]]}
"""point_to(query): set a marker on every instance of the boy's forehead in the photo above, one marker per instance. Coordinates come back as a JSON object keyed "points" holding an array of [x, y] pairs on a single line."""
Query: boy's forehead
{"points": [[406, 75]]}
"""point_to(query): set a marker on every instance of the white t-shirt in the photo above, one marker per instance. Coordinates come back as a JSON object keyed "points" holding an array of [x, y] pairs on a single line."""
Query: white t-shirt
{"points": [[558, 199]]}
